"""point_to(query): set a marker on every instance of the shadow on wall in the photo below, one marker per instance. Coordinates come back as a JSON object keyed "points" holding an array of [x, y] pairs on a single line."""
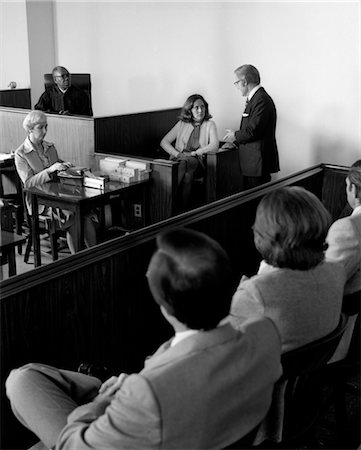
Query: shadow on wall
{"points": [[334, 150]]}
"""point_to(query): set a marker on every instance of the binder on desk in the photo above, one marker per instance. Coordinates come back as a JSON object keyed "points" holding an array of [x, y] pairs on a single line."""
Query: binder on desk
{"points": [[74, 175]]}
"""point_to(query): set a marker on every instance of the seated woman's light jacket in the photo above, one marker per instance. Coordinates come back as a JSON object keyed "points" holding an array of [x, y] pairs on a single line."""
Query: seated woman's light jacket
{"points": [[305, 305], [208, 138], [31, 169]]}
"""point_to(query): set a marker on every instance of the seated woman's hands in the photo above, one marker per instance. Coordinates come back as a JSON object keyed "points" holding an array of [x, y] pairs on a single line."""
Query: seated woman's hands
{"points": [[58, 166]]}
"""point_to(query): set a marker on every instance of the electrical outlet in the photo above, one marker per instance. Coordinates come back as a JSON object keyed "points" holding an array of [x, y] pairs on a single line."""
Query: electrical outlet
{"points": [[137, 210]]}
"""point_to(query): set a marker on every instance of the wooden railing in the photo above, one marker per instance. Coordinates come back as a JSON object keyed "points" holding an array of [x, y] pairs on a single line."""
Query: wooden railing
{"points": [[96, 307]]}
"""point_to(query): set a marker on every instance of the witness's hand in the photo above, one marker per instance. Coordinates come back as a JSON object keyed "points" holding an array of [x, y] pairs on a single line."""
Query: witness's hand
{"points": [[181, 155], [64, 112], [59, 166]]}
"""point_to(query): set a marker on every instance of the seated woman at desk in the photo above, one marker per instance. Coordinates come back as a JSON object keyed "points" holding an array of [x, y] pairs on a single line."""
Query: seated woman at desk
{"points": [[295, 286], [37, 162], [194, 135]]}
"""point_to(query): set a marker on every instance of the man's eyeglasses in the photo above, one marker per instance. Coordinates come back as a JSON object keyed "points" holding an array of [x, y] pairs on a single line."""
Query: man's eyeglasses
{"points": [[238, 81], [64, 76]]}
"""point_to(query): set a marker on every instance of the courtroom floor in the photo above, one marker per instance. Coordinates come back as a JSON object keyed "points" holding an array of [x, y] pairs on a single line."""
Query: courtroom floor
{"points": [[46, 258]]}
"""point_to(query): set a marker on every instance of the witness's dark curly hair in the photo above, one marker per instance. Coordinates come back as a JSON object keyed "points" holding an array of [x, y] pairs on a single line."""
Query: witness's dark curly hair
{"points": [[186, 113]]}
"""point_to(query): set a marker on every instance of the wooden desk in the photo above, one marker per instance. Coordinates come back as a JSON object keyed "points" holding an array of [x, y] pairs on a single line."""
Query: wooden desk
{"points": [[79, 199], [7, 249]]}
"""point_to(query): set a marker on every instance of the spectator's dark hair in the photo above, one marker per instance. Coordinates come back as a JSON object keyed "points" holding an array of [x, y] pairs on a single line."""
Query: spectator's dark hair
{"points": [[291, 227], [186, 113], [190, 276], [354, 175], [250, 73]]}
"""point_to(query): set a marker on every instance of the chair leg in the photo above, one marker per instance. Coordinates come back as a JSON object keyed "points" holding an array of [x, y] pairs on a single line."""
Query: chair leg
{"points": [[54, 245], [19, 225], [28, 247]]}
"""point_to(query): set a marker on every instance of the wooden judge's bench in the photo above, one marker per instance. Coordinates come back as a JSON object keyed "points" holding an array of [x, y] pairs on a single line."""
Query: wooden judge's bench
{"points": [[96, 307]]}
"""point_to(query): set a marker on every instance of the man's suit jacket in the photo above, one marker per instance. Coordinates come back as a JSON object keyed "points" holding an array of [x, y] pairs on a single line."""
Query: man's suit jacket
{"points": [[305, 305], [205, 392], [344, 245], [257, 136]]}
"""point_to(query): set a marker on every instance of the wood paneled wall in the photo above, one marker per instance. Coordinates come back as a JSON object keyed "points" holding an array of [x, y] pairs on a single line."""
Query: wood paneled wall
{"points": [[134, 134], [95, 306], [15, 98], [73, 136]]}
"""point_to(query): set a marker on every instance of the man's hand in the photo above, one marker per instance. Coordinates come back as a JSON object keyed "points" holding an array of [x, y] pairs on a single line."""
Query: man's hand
{"points": [[229, 136], [110, 387]]}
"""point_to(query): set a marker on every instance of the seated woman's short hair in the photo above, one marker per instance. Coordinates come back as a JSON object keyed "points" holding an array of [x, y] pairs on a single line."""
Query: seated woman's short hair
{"points": [[33, 118], [190, 276], [290, 228], [186, 113]]}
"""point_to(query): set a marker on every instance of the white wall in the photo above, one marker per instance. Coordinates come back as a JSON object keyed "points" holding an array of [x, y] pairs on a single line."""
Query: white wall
{"points": [[41, 31], [146, 56], [149, 56], [14, 54]]}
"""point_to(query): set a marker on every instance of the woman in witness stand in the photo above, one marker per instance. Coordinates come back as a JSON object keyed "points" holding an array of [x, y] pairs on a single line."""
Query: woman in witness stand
{"points": [[192, 136], [295, 286], [37, 162]]}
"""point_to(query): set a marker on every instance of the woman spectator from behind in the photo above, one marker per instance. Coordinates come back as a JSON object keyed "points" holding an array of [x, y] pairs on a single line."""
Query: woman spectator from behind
{"points": [[192, 136], [295, 286], [37, 162]]}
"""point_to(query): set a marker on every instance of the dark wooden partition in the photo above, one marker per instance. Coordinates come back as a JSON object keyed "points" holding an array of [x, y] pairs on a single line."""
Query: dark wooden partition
{"points": [[162, 185], [15, 98], [95, 306], [139, 135], [134, 134]]}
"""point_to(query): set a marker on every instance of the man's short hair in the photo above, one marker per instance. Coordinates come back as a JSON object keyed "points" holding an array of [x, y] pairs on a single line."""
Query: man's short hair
{"points": [[354, 175], [291, 227], [190, 276], [59, 69], [250, 73], [33, 118]]}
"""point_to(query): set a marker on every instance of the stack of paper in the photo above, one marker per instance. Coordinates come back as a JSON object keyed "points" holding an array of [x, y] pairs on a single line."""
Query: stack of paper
{"points": [[125, 170], [94, 181]]}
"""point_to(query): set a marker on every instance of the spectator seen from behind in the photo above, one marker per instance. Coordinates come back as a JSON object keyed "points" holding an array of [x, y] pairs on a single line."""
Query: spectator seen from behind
{"points": [[295, 286], [205, 388], [344, 236]]}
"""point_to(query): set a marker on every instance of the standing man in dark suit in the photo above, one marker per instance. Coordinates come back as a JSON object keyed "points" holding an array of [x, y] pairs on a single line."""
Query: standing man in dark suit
{"points": [[64, 98], [256, 138]]}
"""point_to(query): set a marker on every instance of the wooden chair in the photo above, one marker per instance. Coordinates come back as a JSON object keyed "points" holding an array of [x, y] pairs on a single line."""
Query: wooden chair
{"points": [[8, 240], [10, 194], [338, 375], [48, 226], [296, 399]]}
